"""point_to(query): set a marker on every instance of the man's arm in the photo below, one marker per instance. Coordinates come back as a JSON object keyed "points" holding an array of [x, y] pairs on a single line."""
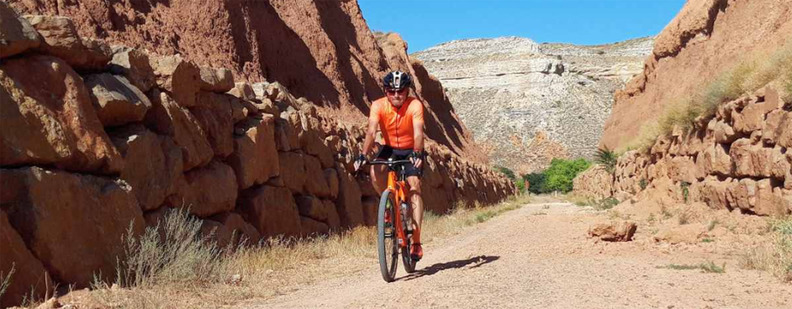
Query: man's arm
{"points": [[418, 128], [372, 129]]}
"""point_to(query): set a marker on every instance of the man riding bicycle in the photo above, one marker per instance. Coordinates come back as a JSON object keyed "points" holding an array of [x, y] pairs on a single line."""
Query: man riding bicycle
{"points": [[400, 118]]}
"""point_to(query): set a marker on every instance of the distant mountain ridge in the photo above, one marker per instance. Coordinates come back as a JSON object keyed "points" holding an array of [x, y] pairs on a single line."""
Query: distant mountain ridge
{"points": [[529, 102]]}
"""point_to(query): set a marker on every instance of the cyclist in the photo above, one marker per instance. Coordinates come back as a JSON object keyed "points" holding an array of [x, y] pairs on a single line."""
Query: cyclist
{"points": [[400, 118]]}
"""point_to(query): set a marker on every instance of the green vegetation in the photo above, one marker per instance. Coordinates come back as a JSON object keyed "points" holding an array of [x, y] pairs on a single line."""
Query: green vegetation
{"points": [[643, 183], [603, 204], [685, 190], [520, 183], [558, 177], [775, 257], [607, 158], [706, 267], [506, 171]]}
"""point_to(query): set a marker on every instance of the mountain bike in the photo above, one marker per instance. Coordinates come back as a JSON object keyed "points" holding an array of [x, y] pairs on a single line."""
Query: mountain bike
{"points": [[394, 221]]}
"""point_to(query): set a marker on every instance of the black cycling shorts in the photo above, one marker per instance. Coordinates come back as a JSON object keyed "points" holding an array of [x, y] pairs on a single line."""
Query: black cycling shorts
{"points": [[387, 152]]}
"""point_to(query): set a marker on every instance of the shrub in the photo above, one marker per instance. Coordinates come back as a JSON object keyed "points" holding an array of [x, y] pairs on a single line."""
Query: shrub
{"points": [[172, 252], [607, 158], [776, 256], [562, 172], [536, 182], [506, 171], [520, 183]]}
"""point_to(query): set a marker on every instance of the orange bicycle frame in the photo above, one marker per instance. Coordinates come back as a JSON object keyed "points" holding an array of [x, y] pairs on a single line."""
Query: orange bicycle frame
{"points": [[397, 188]]}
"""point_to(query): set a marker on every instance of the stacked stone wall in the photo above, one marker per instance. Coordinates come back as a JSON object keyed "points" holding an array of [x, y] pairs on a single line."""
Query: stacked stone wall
{"points": [[99, 140], [738, 159]]}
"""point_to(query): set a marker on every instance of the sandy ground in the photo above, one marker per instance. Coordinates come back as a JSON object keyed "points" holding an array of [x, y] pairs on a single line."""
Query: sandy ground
{"points": [[538, 256]]}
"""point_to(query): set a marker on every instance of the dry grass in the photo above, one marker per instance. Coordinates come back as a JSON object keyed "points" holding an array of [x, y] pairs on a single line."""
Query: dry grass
{"points": [[755, 72], [706, 267], [775, 257], [174, 267], [5, 280]]}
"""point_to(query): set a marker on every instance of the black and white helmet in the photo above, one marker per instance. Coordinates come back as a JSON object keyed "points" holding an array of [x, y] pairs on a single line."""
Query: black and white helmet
{"points": [[397, 80]]}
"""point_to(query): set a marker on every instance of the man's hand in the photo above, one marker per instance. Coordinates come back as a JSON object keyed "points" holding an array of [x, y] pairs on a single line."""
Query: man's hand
{"points": [[416, 157], [359, 162]]}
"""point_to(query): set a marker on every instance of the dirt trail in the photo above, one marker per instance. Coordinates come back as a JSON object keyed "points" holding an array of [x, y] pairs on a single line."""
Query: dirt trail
{"points": [[538, 256]]}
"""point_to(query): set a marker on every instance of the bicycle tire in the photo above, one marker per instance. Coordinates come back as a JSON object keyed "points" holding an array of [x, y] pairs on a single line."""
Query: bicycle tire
{"points": [[407, 261], [386, 238]]}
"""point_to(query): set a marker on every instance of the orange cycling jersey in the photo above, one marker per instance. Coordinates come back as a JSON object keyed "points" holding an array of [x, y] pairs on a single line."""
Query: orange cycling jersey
{"points": [[396, 124]]}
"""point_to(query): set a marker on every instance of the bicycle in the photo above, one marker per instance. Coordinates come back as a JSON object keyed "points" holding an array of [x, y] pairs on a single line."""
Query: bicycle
{"points": [[394, 231]]}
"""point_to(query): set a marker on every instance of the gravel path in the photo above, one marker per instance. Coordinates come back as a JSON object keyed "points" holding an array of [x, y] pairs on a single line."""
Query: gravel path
{"points": [[539, 257]]}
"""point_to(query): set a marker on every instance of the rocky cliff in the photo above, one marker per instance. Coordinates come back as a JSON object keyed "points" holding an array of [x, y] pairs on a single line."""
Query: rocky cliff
{"points": [[98, 141], [703, 42], [320, 50], [529, 103]]}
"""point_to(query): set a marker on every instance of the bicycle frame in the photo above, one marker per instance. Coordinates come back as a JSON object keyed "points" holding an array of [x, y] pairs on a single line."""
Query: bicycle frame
{"points": [[397, 188]]}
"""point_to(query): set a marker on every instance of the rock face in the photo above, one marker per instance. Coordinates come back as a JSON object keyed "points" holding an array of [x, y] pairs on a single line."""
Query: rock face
{"points": [[723, 162], [595, 182], [519, 97], [17, 35], [308, 59], [707, 38], [81, 164]]}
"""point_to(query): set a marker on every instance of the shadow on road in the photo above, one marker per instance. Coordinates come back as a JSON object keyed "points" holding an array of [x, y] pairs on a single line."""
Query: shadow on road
{"points": [[475, 261]]}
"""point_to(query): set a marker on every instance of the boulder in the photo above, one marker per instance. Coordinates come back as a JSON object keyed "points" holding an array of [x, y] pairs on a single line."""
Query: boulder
{"points": [[721, 131], [207, 190], [218, 233], [215, 80], [311, 227], [26, 271], [177, 76], [688, 233], [313, 144], [154, 164], [317, 209], [62, 40], [759, 197], [48, 119], [242, 90], [331, 176], [292, 167], [714, 160], [753, 160], [594, 182], [316, 184], [244, 233], [717, 194], [348, 203], [16, 34], [134, 65], [73, 223], [370, 205], [613, 231], [752, 116], [116, 100], [255, 159], [216, 117], [271, 210], [168, 118], [285, 137]]}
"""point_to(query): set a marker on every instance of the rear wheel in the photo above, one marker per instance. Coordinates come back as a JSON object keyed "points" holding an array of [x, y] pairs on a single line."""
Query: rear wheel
{"points": [[387, 244]]}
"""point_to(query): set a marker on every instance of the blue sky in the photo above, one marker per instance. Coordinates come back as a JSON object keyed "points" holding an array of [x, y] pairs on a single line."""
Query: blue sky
{"points": [[425, 23]]}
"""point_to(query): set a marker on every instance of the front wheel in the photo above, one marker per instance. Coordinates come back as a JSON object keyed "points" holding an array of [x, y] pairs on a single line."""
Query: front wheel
{"points": [[387, 244]]}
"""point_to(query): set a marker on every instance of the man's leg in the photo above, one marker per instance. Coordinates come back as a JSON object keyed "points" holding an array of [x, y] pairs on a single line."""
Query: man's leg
{"points": [[379, 178], [417, 206]]}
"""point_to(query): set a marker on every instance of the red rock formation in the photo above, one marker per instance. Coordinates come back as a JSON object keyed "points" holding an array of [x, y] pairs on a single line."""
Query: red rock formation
{"points": [[321, 50], [704, 40]]}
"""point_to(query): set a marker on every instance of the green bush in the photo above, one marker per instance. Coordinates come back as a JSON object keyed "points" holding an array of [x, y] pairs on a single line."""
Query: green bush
{"points": [[607, 158], [558, 177], [536, 182], [506, 171], [520, 183]]}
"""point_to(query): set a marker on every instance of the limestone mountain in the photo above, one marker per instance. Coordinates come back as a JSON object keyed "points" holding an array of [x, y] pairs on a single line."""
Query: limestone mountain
{"points": [[528, 102]]}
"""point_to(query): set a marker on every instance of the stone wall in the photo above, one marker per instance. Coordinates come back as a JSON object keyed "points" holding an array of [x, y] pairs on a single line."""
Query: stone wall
{"points": [[737, 159], [99, 140]]}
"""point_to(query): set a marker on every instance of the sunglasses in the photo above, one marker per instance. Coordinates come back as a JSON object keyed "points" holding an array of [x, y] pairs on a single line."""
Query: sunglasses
{"points": [[393, 92]]}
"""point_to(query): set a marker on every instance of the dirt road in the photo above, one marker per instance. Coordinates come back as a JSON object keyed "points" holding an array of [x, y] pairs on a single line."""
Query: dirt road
{"points": [[538, 256]]}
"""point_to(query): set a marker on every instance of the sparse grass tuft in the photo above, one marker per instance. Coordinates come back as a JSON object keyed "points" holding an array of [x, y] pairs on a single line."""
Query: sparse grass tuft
{"points": [[5, 280], [706, 267], [604, 204], [684, 217], [607, 158], [173, 252], [775, 257], [755, 72], [711, 225]]}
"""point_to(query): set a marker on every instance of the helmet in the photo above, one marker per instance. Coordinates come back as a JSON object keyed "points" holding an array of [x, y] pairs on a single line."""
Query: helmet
{"points": [[397, 80]]}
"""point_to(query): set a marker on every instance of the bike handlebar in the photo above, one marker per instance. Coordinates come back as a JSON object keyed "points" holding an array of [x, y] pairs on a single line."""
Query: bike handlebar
{"points": [[388, 162]]}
